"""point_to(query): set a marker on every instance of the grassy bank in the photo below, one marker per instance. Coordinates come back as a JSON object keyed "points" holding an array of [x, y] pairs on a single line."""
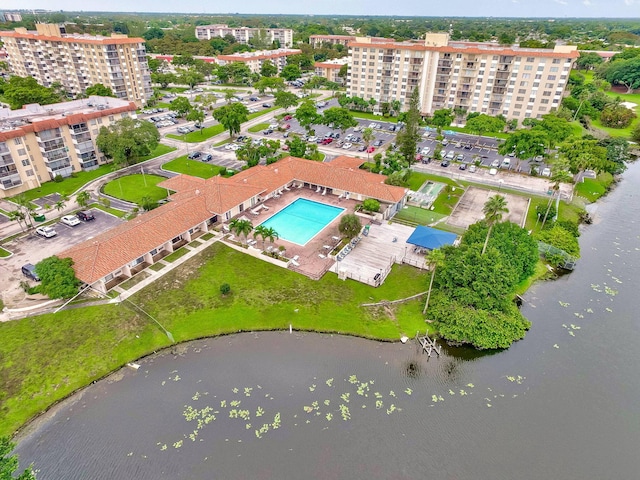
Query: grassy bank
{"points": [[86, 343]]}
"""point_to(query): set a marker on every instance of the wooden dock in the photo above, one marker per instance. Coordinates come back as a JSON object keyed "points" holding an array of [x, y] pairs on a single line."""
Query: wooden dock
{"points": [[428, 345]]}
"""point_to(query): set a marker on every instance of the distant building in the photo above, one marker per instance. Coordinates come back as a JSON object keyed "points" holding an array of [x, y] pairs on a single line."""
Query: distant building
{"points": [[318, 40], [78, 61], [488, 78], [37, 143], [10, 17], [329, 69], [254, 60], [244, 34]]}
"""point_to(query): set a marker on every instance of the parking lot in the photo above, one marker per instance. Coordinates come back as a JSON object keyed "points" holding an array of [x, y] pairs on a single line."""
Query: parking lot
{"points": [[33, 248], [469, 207]]}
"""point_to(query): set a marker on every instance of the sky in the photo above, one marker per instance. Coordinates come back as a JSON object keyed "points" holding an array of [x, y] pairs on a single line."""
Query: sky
{"points": [[434, 8]]}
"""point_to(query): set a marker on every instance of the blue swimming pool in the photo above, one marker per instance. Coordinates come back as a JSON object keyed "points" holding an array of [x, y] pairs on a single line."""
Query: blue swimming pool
{"points": [[301, 220]]}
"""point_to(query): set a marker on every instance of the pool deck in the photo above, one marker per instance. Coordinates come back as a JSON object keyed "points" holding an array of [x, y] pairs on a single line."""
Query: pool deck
{"points": [[373, 254], [309, 260]]}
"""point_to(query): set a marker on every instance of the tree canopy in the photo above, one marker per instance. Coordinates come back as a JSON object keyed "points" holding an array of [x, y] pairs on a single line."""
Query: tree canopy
{"points": [[19, 91], [58, 280], [409, 136], [9, 462], [349, 225], [339, 117], [231, 116], [127, 139], [307, 114], [100, 90]]}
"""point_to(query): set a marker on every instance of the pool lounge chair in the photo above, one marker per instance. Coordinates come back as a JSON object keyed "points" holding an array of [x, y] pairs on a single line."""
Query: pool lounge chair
{"points": [[296, 258], [322, 256], [324, 192], [295, 263], [318, 189]]}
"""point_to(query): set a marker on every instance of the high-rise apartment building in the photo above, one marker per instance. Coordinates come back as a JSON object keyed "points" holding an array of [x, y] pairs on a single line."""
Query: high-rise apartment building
{"points": [[37, 143], [244, 34], [79, 61], [254, 60], [330, 69], [515, 82], [318, 40]]}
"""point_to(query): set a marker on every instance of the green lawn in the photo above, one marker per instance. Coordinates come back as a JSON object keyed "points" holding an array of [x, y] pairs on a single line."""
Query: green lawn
{"points": [[371, 116], [71, 184], [500, 135], [112, 211], [417, 179], [447, 200], [258, 128], [172, 257], [85, 344], [261, 112], [192, 167], [420, 216], [593, 188], [133, 188], [4, 253]]}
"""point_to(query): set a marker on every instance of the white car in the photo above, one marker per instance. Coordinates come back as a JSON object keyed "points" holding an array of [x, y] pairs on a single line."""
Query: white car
{"points": [[312, 139], [493, 171], [347, 146], [46, 232], [546, 172], [70, 220], [506, 163], [425, 151], [495, 163], [472, 168], [357, 128], [372, 125], [273, 126]]}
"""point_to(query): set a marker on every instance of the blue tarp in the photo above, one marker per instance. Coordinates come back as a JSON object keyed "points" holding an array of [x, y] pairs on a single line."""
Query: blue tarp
{"points": [[430, 238]]}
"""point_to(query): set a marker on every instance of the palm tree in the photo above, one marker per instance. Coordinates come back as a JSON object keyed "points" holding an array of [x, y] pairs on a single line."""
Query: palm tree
{"points": [[260, 231], [83, 198], [559, 174], [367, 137], [493, 210], [18, 216], [271, 234], [435, 259], [62, 202], [241, 227]]}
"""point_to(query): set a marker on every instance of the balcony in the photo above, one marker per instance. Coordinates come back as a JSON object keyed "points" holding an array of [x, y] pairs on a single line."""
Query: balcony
{"points": [[84, 147], [495, 105], [463, 94], [499, 90], [444, 63], [10, 181], [502, 75]]}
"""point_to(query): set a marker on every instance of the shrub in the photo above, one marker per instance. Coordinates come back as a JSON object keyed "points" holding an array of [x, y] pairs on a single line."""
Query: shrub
{"points": [[560, 238], [225, 289], [58, 178], [371, 205], [617, 116]]}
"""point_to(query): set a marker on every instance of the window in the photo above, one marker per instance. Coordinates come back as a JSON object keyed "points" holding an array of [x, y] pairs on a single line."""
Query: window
{"points": [[17, 141], [530, 59], [519, 99], [522, 90], [30, 173], [553, 69], [526, 75], [548, 85], [528, 68], [544, 101], [551, 77], [25, 163], [518, 105], [556, 60], [22, 152], [524, 84], [546, 94]]}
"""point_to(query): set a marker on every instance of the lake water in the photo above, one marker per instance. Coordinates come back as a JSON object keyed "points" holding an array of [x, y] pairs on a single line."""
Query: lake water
{"points": [[561, 404]]}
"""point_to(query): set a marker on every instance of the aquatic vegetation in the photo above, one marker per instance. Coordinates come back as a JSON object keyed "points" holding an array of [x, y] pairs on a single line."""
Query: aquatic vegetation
{"points": [[408, 391], [344, 411], [555, 345], [329, 416], [379, 404], [276, 421], [563, 304], [451, 392], [470, 385], [259, 412], [247, 391], [178, 444], [610, 291], [345, 397], [235, 403], [312, 388], [329, 382], [353, 379], [327, 402]]}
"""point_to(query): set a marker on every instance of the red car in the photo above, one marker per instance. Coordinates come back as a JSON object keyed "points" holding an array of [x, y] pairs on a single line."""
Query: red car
{"points": [[327, 141], [288, 117], [371, 149], [285, 148], [286, 126]]}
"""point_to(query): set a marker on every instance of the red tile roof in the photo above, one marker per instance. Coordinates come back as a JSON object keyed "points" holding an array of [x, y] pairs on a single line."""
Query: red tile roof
{"points": [[196, 200]]}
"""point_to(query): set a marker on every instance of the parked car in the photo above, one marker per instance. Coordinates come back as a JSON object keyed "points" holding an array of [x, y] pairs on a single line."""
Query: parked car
{"points": [[445, 142], [285, 148], [266, 105], [268, 131], [546, 172], [495, 163], [347, 146], [378, 143], [286, 126], [371, 149], [85, 216], [357, 128], [463, 166], [445, 163], [70, 220], [425, 151], [493, 171], [194, 155], [472, 169], [287, 117], [450, 155], [327, 141], [312, 139], [46, 232], [460, 157], [254, 99], [206, 157], [361, 148], [29, 271], [468, 146], [506, 163]]}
